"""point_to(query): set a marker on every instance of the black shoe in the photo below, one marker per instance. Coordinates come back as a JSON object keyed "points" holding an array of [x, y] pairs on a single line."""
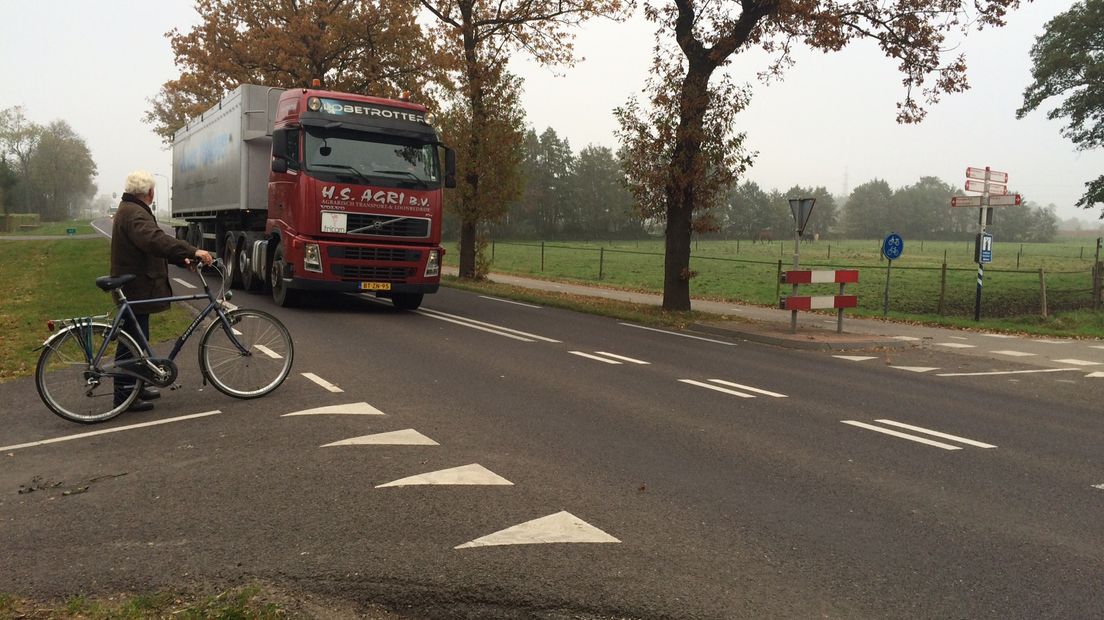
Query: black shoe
{"points": [[149, 393], [140, 405]]}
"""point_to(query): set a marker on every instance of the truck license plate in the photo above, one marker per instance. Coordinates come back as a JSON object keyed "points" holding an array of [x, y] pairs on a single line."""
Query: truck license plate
{"points": [[375, 286]]}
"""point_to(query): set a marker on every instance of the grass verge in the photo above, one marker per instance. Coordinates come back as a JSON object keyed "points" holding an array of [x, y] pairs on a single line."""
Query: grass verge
{"points": [[83, 227], [53, 279], [246, 602]]}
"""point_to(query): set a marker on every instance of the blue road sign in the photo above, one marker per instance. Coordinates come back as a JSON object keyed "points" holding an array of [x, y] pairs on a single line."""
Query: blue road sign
{"points": [[893, 246], [985, 248]]}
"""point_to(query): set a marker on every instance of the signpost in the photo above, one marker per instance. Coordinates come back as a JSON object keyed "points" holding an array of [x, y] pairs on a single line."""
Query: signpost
{"points": [[892, 247], [801, 208], [994, 193]]}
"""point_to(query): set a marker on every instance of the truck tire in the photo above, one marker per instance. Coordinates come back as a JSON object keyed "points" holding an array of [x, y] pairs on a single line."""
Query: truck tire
{"points": [[281, 294], [232, 261], [407, 301]]}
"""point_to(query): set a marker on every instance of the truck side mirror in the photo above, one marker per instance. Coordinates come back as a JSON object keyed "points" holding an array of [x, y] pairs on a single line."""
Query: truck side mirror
{"points": [[279, 144], [450, 168], [279, 165]]}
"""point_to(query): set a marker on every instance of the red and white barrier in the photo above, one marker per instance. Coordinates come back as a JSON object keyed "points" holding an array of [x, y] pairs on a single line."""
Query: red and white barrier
{"points": [[793, 303], [819, 302], [838, 276]]}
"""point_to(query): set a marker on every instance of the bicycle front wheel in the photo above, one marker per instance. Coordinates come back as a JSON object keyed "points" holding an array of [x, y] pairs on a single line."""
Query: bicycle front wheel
{"points": [[257, 372], [75, 389]]}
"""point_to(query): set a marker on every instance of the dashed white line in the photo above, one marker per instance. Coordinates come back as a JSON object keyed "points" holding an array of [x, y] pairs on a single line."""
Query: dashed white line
{"points": [[1094, 375], [184, 283], [1078, 362], [663, 331], [958, 338], [480, 325], [623, 358], [969, 442], [1053, 341], [894, 433], [905, 338], [955, 345], [715, 388], [322, 382], [269, 352], [1014, 353], [109, 430], [594, 357], [748, 388], [999, 336]]}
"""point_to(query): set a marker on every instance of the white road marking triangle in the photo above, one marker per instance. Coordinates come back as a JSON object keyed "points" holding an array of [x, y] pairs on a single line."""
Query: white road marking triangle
{"points": [[562, 527], [1095, 374], [916, 368], [349, 409], [466, 474], [854, 358], [406, 437], [955, 345]]}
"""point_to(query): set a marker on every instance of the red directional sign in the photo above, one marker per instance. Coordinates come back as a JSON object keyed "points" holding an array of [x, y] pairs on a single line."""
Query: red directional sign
{"points": [[1009, 200], [996, 189], [975, 186], [975, 173], [979, 174], [966, 201], [998, 177]]}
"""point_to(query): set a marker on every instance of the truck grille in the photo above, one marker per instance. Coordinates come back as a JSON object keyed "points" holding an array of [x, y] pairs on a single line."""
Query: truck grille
{"points": [[375, 254], [375, 274], [388, 225]]}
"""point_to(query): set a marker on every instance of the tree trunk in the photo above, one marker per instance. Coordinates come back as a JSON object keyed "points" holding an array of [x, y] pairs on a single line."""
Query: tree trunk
{"points": [[469, 213], [467, 249], [681, 179]]}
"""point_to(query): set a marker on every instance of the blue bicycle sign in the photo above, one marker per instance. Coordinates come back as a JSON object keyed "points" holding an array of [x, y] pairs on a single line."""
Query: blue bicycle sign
{"points": [[893, 246]]}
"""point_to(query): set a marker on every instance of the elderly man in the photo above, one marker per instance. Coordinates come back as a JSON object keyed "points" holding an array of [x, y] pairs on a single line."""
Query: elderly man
{"points": [[140, 247]]}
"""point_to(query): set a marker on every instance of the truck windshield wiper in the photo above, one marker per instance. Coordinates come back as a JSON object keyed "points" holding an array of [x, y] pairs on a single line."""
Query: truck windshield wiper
{"points": [[357, 173], [413, 176]]}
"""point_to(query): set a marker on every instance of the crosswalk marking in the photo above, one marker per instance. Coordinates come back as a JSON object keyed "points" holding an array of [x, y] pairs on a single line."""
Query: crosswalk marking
{"points": [[748, 388]]}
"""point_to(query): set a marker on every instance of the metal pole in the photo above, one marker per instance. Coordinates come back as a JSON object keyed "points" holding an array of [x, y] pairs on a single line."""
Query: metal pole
{"points": [[885, 299], [542, 256], [797, 249], [942, 288], [601, 261], [778, 282], [839, 313], [977, 245]]}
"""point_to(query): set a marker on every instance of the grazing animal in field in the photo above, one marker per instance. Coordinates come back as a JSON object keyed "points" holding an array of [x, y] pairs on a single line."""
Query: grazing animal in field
{"points": [[765, 236]]}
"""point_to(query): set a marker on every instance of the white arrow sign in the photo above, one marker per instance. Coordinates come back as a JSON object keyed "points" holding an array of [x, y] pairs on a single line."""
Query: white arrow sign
{"points": [[966, 201], [996, 189], [1009, 200], [998, 177]]}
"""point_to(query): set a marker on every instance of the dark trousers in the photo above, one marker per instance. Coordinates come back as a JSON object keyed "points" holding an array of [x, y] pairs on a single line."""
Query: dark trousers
{"points": [[124, 385]]}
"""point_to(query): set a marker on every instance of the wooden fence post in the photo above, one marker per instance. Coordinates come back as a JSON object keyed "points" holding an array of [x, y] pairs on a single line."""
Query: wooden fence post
{"points": [[942, 289], [542, 256], [1042, 291], [601, 261], [778, 282]]}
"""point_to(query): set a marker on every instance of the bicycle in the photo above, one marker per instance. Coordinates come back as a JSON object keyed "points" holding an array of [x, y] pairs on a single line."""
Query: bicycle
{"points": [[243, 353]]}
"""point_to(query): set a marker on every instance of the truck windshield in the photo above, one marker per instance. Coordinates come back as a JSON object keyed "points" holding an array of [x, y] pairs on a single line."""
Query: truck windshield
{"points": [[372, 157]]}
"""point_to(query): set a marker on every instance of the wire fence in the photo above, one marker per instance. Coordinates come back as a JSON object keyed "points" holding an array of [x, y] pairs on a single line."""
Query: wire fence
{"points": [[1068, 283]]}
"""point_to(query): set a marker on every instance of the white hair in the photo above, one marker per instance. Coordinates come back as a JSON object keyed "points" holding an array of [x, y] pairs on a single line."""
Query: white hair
{"points": [[139, 183]]}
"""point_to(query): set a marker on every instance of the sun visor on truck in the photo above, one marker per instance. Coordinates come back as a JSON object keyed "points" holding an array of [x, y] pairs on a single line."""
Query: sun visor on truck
{"points": [[333, 113]]}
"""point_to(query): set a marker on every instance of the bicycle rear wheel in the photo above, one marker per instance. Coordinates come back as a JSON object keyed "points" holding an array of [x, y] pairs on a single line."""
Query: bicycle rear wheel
{"points": [[246, 376], [69, 385]]}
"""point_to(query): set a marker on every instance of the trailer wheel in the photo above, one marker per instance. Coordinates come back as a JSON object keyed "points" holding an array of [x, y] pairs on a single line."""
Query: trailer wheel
{"points": [[281, 294], [233, 261]]}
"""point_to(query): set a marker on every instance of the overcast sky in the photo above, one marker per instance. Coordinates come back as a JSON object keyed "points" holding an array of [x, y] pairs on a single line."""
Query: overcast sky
{"points": [[830, 122]]}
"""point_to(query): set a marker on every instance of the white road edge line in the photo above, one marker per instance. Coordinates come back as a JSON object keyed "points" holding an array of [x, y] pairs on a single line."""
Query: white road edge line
{"points": [[322, 382], [663, 331], [593, 357], [184, 283], [715, 388], [1002, 372], [502, 331], [109, 430], [748, 388], [465, 324], [101, 231], [622, 358], [887, 431], [926, 431], [509, 301]]}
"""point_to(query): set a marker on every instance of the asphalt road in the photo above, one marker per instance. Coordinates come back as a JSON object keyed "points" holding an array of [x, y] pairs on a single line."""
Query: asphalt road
{"points": [[700, 477]]}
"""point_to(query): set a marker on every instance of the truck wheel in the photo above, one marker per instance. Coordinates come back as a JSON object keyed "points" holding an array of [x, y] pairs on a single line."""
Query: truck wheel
{"points": [[407, 301], [249, 279], [233, 263], [281, 294]]}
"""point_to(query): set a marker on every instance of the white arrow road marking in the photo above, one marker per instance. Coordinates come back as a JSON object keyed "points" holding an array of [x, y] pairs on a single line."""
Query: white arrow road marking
{"points": [[901, 435], [406, 437], [269, 352], [361, 408], [855, 358], [663, 331], [1095, 375], [593, 357], [562, 527], [748, 388], [474, 474], [1098, 486], [955, 345], [969, 442], [509, 301], [109, 430], [1078, 362], [480, 325], [1014, 353], [915, 368], [320, 381], [184, 283], [1002, 372], [715, 388]]}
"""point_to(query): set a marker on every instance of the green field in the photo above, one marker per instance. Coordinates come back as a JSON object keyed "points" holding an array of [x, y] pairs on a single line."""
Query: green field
{"points": [[748, 272], [53, 279], [83, 227]]}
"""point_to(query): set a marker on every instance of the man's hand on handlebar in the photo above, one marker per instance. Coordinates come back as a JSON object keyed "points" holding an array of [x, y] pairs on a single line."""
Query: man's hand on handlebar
{"points": [[202, 256]]}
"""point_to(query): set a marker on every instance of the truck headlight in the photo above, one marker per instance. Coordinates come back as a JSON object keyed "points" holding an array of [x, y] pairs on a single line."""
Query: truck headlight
{"points": [[312, 258], [433, 265]]}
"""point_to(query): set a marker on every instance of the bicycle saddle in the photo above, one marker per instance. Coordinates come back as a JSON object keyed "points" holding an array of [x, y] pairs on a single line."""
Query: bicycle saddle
{"points": [[109, 283]]}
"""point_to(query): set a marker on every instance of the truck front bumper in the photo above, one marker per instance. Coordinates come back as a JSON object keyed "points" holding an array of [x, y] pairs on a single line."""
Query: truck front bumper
{"points": [[310, 284]]}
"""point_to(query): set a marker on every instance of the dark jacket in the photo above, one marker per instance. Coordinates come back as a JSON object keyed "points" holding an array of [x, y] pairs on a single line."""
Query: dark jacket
{"points": [[139, 246]]}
